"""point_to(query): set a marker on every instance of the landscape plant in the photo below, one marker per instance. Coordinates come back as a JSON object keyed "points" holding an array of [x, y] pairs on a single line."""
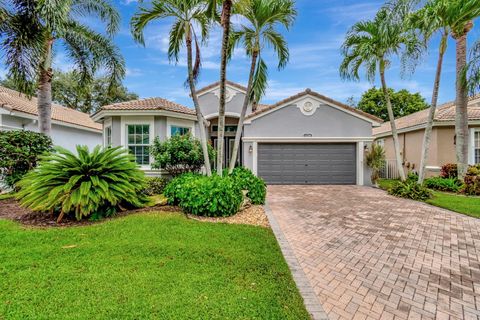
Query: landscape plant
{"points": [[472, 181], [154, 185], [449, 170], [375, 160], [443, 184], [19, 153], [83, 184], [179, 154], [246, 180], [410, 189]]}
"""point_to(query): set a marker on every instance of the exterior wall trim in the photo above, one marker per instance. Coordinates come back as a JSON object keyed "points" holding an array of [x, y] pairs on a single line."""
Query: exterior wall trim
{"points": [[109, 113], [227, 114], [307, 139], [360, 169]]}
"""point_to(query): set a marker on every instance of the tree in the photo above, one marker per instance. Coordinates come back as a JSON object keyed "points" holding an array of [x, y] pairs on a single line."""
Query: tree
{"points": [[459, 15], [69, 91], [473, 75], [186, 15], [429, 21], [263, 16], [29, 30], [403, 103], [371, 44]]}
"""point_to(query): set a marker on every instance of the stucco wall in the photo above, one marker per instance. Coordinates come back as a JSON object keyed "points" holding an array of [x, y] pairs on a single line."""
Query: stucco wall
{"points": [[327, 121], [64, 136], [209, 104]]}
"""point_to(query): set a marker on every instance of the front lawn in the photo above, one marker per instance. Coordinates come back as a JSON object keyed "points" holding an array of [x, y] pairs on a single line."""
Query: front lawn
{"points": [[145, 266], [458, 203]]}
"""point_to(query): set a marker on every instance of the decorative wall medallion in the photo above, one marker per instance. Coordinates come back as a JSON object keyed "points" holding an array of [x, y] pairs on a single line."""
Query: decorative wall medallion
{"points": [[229, 94], [308, 107]]}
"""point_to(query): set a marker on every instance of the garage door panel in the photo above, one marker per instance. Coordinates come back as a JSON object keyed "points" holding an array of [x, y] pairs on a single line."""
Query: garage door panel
{"points": [[307, 163]]}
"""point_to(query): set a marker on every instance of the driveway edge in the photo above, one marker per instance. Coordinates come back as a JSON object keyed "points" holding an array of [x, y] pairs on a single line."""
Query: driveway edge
{"points": [[310, 299]]}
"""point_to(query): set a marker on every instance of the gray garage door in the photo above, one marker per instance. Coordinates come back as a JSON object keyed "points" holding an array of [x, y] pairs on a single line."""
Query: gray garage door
{"points": [[307, 163]]}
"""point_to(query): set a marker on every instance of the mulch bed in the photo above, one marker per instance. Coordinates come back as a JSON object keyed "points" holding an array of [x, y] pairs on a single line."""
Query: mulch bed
{"points": [[10, 209]]}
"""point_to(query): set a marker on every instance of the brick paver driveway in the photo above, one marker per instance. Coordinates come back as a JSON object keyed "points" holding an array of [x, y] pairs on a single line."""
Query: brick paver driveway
{"points": [[368, 254]]}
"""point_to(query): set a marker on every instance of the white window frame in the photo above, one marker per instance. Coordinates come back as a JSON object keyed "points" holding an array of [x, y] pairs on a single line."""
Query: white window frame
{"points": [[179, 123], [137, 120], [473, 132]]}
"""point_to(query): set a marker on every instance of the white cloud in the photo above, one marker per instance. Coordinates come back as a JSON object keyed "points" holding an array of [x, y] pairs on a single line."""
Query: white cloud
{"points": [[349, 14], [134, 72]]}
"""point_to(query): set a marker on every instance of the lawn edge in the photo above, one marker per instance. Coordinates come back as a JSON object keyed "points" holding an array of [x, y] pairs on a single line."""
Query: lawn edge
{"points": [[310, 299]]}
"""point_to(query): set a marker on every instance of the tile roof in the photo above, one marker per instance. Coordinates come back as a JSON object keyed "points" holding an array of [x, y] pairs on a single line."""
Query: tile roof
{"points": [[150, 104], [315, 94], [14, 100], [213, 85], [444, 112]]}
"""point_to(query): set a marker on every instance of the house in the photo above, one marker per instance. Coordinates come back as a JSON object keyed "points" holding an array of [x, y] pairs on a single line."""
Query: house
{"points": [[69, 127], [305, 139], [411, 130]]}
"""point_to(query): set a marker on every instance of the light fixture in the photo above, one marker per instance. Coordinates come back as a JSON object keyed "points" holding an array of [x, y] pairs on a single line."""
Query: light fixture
{"points": [[309, 135], [250, 149]]}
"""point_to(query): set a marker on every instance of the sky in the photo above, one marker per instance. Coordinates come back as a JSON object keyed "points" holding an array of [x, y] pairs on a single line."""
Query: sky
{"points": [[314, 43]]}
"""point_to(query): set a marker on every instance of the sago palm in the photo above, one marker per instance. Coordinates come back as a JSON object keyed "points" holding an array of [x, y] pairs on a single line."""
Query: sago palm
{"points": [[429, 21], [186, 15], [83, 184], [371, 44], [459, 16], [29, 30], [263, 17]]}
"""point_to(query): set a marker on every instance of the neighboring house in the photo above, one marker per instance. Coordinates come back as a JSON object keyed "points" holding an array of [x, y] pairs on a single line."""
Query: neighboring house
{"points": [[411, 130], [69, 127], [305, 139]]}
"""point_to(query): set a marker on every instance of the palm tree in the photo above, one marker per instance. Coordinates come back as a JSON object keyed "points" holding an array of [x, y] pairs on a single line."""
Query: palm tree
{"points": [[371, 44], [474, 69], [459, 15], [30, 29], [263, 16], [429, 21], [186, 14]]}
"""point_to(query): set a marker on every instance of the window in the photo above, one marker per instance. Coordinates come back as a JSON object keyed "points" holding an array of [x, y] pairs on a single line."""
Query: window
{"points": [[138, 142], [477, 146], [179, 131], [108, 136], [227, 128]]}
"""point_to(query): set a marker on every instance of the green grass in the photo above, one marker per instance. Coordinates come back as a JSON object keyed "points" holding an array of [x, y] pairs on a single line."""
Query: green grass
{"points": [[456, 202], [385, 184], [7, 196], [145, 266]]}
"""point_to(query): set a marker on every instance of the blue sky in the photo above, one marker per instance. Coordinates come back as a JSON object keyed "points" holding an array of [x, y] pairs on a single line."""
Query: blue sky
{"points": [[314, 43]]}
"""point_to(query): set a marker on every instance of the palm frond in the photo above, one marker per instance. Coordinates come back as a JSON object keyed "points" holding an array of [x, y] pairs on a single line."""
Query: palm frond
{"points": [[473, 69], [260, 83], [101, 8]]}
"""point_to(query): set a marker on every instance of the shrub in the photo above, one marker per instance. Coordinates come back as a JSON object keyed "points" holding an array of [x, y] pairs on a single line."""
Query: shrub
{"points": [[246, 180], [375, 159], [154, 185], [213, 196], [449, 170], [412, 176], [443, 184], [179, 154], [19, 152], [88, 184], [472, 181], [410, 190]]}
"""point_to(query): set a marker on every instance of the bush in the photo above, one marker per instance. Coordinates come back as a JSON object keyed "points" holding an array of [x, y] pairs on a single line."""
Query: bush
{"points": [[246, 180], [179, 154], [449, 170], [410, 190], [154, 185], [472, 181], [19, 152], [375, 160], [88, 184], [213, 196], [443, 184], [412, 176]]}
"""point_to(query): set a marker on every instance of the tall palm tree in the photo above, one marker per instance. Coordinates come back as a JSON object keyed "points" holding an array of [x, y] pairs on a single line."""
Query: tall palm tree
{"points": [[186, 15], [371, 44], [430, 21], [459, 15], [473, 75], [263, 17], [30, 29]]}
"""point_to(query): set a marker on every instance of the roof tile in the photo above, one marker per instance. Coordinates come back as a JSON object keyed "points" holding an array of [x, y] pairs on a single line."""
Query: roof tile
{"points": [[150, 104]]}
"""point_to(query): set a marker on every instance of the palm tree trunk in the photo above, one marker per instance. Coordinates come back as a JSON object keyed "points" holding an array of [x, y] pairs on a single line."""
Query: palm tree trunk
{"points": [[431, 115], [396, 143], [44, 101], [461, 116], [193, 92], [226, 13], [238, 135]]}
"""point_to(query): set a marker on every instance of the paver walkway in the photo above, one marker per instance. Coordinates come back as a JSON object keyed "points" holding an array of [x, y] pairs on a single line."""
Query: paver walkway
{"points": [[371, 255]]}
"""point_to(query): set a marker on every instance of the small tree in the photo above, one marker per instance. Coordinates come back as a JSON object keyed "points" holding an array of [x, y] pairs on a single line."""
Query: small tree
{"points": [[19, 152], [179, 154], [375, 159]]}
